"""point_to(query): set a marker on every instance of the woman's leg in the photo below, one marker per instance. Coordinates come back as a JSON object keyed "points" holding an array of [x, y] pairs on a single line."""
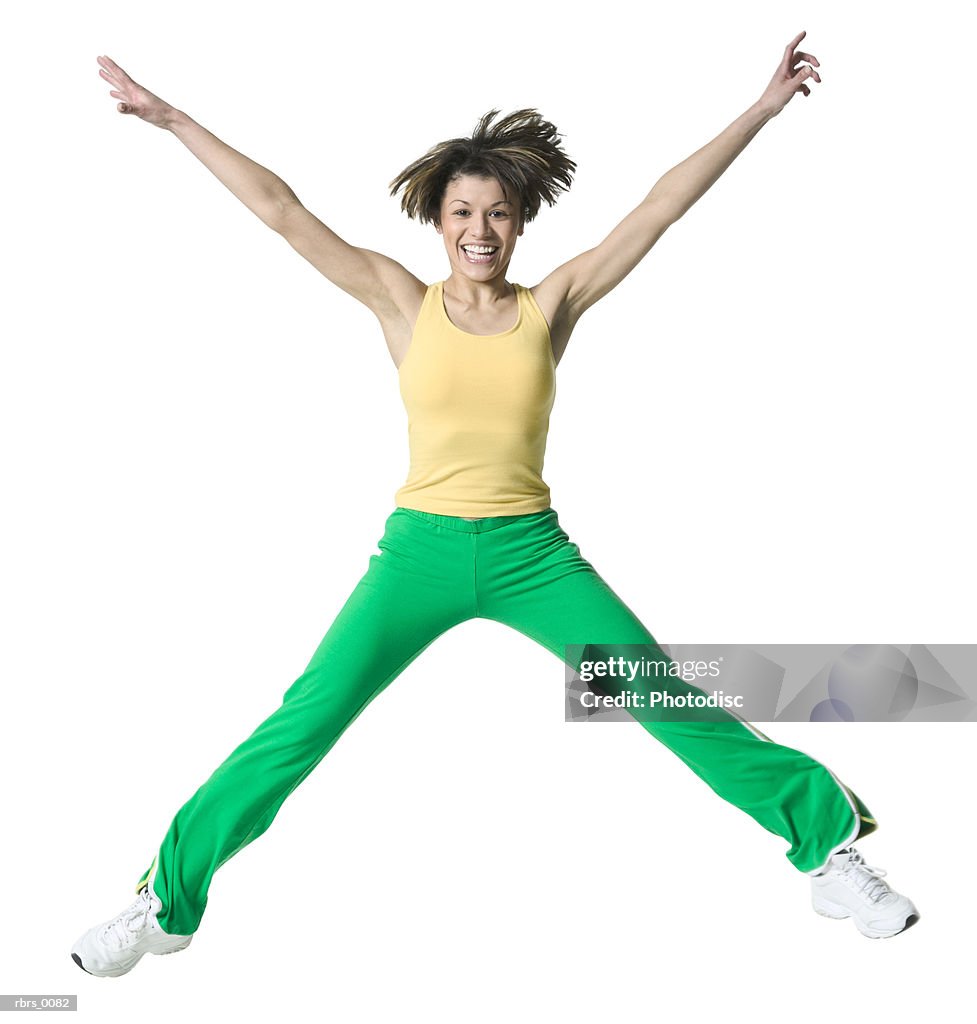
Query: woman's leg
{"points": [[534, 579], [413, 591]]}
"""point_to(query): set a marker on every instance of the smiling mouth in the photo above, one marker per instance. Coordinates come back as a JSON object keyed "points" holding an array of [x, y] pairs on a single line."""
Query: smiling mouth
{"points": [[480, 253]]}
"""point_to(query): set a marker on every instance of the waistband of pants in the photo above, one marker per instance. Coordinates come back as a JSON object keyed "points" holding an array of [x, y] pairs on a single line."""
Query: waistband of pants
{"points": [[473, 526]]}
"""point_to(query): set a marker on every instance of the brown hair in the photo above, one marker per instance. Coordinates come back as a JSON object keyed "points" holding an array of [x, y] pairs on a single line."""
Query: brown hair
{"points": [[521, 151]]}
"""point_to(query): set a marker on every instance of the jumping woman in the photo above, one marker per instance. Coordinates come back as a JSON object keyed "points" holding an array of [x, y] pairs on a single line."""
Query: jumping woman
{"points": [[473, 533]]}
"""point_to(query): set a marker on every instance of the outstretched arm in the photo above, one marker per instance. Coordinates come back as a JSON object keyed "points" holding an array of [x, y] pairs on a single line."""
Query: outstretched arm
{"points": [[375, 280], [578, 284]]}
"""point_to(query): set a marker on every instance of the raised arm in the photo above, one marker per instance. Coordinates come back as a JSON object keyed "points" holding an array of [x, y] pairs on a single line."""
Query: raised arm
{"points": [[575, 286], [377, 281]]}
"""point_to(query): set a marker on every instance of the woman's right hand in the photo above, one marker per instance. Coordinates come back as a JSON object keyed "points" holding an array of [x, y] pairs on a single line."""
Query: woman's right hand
{"points": [[134, 98]]}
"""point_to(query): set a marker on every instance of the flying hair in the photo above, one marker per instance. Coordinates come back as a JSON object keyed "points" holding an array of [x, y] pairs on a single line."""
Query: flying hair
{"points": [[521, 151]]}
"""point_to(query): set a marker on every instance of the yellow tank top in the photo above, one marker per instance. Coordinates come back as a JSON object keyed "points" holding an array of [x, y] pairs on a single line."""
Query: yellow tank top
{"points": [[478, 413]]}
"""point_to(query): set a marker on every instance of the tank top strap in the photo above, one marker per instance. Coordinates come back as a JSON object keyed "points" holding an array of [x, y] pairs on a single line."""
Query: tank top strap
{"points": [[428, 322], [431, 312], [532, 313]]}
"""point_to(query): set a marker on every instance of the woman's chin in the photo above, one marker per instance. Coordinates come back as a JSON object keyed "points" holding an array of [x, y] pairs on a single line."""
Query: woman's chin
{"points": [[480, 271]]}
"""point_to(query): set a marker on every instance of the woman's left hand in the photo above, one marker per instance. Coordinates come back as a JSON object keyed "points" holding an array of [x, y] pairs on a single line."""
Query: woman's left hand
{"points": [[789, 79]]}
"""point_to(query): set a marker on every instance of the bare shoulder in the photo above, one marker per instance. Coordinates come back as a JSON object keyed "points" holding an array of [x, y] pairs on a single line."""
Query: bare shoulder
{"points": [[551, 296], [380, 283], [390, 291], [397, 304], [400, 292]]}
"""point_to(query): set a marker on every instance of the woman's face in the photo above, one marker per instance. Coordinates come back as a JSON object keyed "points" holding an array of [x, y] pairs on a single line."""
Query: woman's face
{"points": [[477, 215]]}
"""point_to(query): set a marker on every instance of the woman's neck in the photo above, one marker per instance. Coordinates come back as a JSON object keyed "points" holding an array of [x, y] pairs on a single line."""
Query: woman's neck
{"points": [[477, 294]]}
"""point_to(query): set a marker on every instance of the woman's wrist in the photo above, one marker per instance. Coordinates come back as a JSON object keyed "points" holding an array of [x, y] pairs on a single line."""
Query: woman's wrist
{"points": [[174, 119], [761, 112]]}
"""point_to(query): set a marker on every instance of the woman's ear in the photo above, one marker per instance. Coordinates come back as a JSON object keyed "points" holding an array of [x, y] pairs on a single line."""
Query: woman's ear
{"points": [[437, 226]]}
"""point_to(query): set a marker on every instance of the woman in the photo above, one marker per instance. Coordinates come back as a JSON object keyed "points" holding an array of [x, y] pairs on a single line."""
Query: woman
{"points": [[473, 533]]}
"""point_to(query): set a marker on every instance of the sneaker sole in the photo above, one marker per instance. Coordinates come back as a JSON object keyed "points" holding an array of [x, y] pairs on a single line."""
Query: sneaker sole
{"points": [[118, 972], [839, 913]]}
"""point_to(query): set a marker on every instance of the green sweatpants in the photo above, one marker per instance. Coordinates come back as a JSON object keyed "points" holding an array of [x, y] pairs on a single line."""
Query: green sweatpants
{"points": [[434, 572]]}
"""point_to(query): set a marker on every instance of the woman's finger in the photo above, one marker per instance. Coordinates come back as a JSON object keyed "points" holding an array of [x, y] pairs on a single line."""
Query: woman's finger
{"points": [[801, 77], [128, 86], [114, 68], [809, 57], [120, 93], [802, 67], [106, 66], [789, 52]]}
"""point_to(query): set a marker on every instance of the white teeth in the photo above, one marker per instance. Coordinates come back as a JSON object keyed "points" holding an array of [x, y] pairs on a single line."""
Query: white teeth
{"points": [[480, 249]]}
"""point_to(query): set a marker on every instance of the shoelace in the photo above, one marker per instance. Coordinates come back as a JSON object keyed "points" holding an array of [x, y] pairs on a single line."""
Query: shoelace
{"points": [[132, 919], [869, 878]]}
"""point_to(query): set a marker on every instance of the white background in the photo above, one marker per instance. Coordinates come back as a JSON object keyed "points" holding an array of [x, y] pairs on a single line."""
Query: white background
{"points": [[759, 437]]}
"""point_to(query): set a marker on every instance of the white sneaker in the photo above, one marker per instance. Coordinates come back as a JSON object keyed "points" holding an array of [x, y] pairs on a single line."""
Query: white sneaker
{"points": [[115, 947], [849, 887]]}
